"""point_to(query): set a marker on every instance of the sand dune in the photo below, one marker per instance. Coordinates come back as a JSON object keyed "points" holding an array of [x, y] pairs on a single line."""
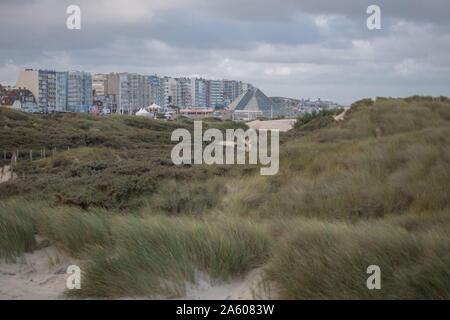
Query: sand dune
{"points": [[37, 275]]}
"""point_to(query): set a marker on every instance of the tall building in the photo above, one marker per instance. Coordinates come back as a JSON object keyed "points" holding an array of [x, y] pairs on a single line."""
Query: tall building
{"points": [[138, 90], [156, 94], [233, 89], [215, 94], [170, 92], [112, 84], [133, 92], [184, 93], [123, 97], [199, 89], [79, 91], [100, 84], [61, 91], [48, 87], [29, 79]]}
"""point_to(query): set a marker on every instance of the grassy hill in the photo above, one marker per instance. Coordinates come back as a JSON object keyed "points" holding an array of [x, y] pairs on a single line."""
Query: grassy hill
{"points": [[107, 162], [370, 190]]}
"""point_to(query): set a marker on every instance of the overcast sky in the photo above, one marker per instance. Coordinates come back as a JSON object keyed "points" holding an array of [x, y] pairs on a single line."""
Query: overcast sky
{"points": [[292, 48]]}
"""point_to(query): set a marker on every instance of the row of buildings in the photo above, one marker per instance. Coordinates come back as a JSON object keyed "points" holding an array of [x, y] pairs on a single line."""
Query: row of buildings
{"points": [[58, 91], [125, 93]]}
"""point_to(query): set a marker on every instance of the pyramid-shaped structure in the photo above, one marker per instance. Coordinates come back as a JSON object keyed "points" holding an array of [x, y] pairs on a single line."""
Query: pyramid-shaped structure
{"points": [[254, 103]]}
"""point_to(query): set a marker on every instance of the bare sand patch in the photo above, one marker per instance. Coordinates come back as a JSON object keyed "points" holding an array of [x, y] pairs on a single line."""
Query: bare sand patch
{"points": [[248, 288], [282, 124], [38, 275]]}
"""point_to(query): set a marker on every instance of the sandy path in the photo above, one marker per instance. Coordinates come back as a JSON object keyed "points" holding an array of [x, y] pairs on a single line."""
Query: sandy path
{"points": [[37, 275], [283, 124], [340, 116]]}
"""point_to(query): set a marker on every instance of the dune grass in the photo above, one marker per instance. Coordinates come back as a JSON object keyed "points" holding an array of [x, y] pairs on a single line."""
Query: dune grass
{"points": [[127, 255], [16, 231], [390, 158], [321, 260], [159, 255]]}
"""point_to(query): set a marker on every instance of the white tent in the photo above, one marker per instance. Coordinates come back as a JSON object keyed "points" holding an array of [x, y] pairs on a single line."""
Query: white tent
{"points": [[143, 113], [154, 108]]}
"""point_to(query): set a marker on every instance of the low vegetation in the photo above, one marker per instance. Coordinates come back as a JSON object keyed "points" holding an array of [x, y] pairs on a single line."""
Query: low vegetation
{"points": [[369, 190]]}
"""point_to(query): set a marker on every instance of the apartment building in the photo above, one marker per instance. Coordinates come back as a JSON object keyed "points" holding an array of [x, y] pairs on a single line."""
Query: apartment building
{"points": [[132, 91], [215, 94], [61, 91], [138, 90], [232, 90], [156, 90], [100, 84], [170, 92], [49, 88], [79, 91], [199, 89], [184, 93]]}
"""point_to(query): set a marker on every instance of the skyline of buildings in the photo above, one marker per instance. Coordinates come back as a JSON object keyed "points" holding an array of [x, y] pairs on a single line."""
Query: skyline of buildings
{"points": [[124, 93]]}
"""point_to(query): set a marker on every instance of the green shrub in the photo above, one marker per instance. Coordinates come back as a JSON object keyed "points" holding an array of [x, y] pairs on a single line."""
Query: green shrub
{"points": [[322, 118], [174, 197]]}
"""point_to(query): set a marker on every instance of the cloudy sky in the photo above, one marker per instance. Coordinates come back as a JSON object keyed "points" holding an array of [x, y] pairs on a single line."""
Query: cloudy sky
{"points": [[293, 48]]}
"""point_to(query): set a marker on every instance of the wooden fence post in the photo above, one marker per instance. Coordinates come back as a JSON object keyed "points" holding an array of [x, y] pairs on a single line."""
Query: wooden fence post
{"points": [[12, 167]]}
